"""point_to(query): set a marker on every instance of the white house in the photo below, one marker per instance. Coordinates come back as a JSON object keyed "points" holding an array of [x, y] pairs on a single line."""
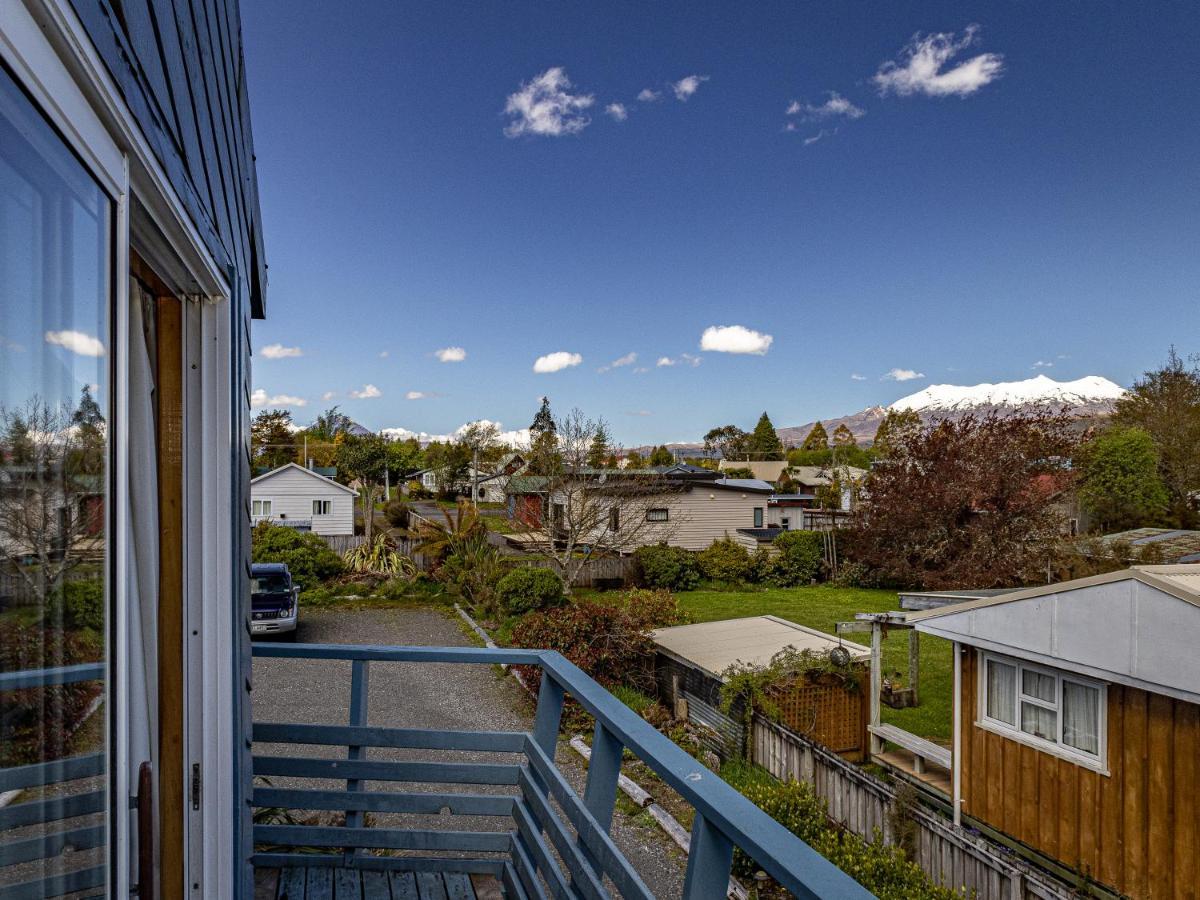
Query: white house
{"points": [[298, 497]]}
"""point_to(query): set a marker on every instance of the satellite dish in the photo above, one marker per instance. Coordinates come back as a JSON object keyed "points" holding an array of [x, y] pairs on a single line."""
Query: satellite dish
{"points": [[839, 656]]}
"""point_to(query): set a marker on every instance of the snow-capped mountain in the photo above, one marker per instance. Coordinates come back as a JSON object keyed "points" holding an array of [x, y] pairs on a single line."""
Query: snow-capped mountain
{"points": [[1089, 391]]}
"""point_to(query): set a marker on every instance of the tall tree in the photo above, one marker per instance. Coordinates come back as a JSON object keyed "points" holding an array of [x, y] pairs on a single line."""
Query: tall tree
{"points": [[544, 456], [728, 441], [764, 441], [1119, 482], [272, 440], [817, 439], [843, 436], [961, 502], [329, 425], [895, 429], [404, 456], [449, 461], [599, 451], [1165, 403], [661, 456], [363, 458]]}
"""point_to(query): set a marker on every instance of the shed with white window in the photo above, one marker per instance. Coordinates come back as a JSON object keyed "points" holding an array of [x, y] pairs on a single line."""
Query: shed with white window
{"points": [[1077, 721], [301, 498]]}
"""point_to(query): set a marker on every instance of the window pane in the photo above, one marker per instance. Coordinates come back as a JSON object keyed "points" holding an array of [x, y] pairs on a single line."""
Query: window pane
{"points": [[1001, 692], [1081, 717], [1039, 721], [55, 279], [1035, 684]]}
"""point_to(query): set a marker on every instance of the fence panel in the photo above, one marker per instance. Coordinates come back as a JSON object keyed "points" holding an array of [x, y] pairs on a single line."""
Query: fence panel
{"points": [[865, 804]]}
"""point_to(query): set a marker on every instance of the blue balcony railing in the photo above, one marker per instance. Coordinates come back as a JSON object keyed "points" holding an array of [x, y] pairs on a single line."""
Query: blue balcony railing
{"points": [[537, 851]]}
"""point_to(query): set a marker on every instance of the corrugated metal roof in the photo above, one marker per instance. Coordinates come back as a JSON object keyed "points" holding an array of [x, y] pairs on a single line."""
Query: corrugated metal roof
{"points": [[715, 646]]}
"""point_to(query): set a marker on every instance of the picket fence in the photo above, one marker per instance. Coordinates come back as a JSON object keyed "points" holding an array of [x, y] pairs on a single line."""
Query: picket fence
{"points": [[866, 805]]}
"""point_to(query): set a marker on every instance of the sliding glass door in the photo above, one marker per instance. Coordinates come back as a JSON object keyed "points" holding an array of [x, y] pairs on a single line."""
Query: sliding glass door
{"points": [[56, 234]]}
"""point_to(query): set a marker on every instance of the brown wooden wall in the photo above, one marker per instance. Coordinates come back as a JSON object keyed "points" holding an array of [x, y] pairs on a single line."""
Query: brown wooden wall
{"points": [[1134, 829]]}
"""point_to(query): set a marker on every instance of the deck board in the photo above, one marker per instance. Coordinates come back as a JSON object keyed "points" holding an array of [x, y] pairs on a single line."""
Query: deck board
{"points": [[331, 883]]}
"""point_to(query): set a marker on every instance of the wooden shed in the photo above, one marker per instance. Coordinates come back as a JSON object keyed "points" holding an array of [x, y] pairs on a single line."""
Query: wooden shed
{"points": [[1077, 722], [690, 659]]}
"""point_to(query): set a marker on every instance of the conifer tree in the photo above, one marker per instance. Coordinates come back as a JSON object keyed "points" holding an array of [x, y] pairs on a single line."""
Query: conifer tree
{"points": [[817, 439], [764, 442]]}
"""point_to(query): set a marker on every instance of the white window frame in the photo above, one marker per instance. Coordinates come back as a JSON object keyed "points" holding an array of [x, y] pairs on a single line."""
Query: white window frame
{"points": [[262, 504], [652, 515], [760, 517], [1097, 763], [322, 507]]}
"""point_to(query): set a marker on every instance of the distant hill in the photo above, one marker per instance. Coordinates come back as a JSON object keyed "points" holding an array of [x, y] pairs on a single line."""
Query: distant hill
{"points": [[1090, 397]]}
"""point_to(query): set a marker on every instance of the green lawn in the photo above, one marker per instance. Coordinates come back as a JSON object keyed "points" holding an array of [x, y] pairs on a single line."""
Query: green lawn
{"points": [[821, 607]]}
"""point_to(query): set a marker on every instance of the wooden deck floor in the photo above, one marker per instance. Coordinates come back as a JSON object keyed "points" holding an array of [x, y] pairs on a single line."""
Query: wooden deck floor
{"points": [[326, 883]]}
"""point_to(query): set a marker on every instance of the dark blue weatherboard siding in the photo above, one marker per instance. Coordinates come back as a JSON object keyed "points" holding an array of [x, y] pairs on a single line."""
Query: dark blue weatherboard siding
{"points": [[178, 64]]}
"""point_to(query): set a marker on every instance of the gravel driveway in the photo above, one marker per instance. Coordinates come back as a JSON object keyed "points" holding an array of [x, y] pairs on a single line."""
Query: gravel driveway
{"points": [[433, 696]]}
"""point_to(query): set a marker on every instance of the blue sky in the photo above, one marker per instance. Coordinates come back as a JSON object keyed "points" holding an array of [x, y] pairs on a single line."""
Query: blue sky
{"points": [[990, 186]]}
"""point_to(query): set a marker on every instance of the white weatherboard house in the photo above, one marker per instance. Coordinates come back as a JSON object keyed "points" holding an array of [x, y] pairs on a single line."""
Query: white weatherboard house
{"points": [[298, 497]]}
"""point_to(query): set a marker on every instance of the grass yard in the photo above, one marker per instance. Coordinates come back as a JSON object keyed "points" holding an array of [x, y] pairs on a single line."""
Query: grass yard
{"points": [[821, 607]]}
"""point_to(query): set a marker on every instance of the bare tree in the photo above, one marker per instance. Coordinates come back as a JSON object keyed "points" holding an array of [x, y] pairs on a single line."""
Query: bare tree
{"points": [[51, 491], [592, 512]]}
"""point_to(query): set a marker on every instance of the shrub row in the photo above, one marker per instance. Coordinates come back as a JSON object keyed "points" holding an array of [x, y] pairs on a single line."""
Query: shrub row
{"points": [[307, 556], [797, 558]]}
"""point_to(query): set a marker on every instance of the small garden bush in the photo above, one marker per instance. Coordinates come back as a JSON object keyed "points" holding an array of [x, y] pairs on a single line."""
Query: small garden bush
{"points": [[396, 513], [600, 638], [667, 567], [799, 558], [307, 556], [883, 870], [648, 609], [527, 589], [726, 561], [83, 604]]}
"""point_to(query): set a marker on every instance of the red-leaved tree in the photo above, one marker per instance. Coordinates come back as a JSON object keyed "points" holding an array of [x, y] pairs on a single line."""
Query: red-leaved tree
{"points": [[966, 502]]}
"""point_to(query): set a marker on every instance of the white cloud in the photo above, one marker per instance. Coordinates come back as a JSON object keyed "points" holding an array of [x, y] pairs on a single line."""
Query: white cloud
{"points": [[329, 395], [902, 375], [383, 354], [836, 105], [685, 87], [278, 351], [640, 370], [1042, 364], [648, 96], [617, 111], [76, 342], [368, 392], [735, 339], [684, 358], [627, 360], [451, 354], [545, 106], [856, 377], [556, 362], [638, 412], [259, 398], [416, 395], [665, 361], [920, 68], [819, 136], [518, 438]]}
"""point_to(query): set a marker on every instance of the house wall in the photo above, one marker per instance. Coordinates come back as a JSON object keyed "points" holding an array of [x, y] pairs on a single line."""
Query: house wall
{"points": [[703, 515], [292, 493], [1133, 829]]}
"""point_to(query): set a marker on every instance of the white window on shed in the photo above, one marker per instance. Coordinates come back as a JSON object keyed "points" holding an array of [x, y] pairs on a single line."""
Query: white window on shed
{"points": [[260, 507], [1056, 711], [322, 507], [658, 514]]}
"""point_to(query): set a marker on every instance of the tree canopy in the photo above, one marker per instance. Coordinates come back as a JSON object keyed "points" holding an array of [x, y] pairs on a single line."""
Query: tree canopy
{"points": [[817, 439], [896, 427], [661, 456], [764, 442], [272, 440], [727, 440], [1119, 482], [843, 436]]}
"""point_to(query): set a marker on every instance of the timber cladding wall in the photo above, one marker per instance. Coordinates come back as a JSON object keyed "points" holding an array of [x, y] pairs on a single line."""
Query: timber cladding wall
{"points": [[1133, 829]]}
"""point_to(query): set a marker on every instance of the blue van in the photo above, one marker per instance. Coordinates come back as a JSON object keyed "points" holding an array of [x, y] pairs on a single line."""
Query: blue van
{"points": [[274, 601]]}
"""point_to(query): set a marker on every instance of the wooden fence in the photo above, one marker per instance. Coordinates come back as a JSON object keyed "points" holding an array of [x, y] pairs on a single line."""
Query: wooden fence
{"points": [[594, 573], [15, 590], [866, 805], [340, 543]]}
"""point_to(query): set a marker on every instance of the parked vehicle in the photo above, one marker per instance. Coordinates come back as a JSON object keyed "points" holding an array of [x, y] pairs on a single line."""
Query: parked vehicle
{"points": [[274, 600]]}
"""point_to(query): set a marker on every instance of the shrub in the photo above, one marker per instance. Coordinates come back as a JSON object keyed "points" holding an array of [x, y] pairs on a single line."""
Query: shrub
{"points": [[417, 491], [396, 513], [599, 638], [726, 560], [883, 870], [307, 556], [379, 557], [667, 567], [475, 568], [633, 698], [647, 608], [83, 604], [799, 558], [526, 589]]}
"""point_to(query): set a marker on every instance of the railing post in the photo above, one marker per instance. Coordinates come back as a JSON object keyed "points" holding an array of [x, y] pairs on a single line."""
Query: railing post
{"points": [[548, 716], [600, 793], [359, 682], [710, 858]]}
